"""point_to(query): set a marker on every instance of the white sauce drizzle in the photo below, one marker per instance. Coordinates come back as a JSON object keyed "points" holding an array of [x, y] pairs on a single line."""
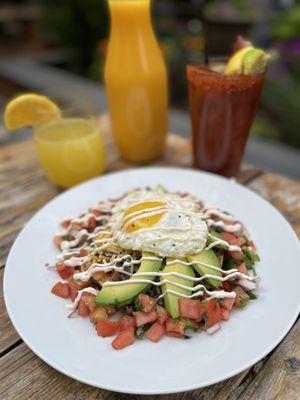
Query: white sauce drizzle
{"points": [[165, 229], [144, 212], [97, 267], [74, 305], [228, 228], [170, 237], [197, 290], [212, 211], [67, 253], [232, 275], [217, 241], [217, 213], [68, 248], [132, 220], [85, 219], [67, 244]]}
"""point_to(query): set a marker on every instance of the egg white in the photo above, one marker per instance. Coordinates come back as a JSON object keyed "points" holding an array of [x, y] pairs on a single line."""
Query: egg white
{"points": [[180, 230]]}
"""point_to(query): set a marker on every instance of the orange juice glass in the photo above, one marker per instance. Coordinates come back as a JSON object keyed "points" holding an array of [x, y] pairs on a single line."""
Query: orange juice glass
{"points": [[136, 82], [70, 150]]}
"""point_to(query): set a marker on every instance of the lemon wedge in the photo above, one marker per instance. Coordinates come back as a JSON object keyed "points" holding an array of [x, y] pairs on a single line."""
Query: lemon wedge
{"points": [[30, 110], [235, 63], [255, 62], [247, 61]]}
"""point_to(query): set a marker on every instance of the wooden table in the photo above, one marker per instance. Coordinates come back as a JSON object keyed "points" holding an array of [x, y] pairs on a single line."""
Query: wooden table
{"points": [[24, 189]]}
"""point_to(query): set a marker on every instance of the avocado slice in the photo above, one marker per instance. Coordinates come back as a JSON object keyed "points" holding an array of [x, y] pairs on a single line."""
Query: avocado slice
{"points": [[171, 300], [125, 294], [207, 257]]}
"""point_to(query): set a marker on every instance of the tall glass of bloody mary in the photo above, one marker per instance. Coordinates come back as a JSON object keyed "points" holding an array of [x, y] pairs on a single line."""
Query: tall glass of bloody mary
{"points": [[222, 110]]}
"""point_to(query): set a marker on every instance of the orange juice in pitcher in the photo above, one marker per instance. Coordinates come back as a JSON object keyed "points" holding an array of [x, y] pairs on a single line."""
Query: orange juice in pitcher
{"points": [[136, 82]]}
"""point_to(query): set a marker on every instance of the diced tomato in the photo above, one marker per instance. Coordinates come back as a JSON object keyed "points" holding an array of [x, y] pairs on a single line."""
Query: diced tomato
{"points": [[242, 269], [229, 237], [64, 270], [110, 310], [213, 315], [105, 327], [65, 223], [126, 321], [75, 286], [241, 297], [252, 246], [58, 240], [190, 308], [155, 332], [162, 314], [174, 334], [227, 286], [88, 300], [237, 256], [82, 253], [224, 314], [61, 290], [98, 313], [143, 318], [73, 289], [241, 241], [124, 339], [76, 226], [147, 302], [173, 325], [231, 223], [91, 224], [82, 309], [83, 284], [98, 276], [195, 324], [227, 303], [96, 212]]}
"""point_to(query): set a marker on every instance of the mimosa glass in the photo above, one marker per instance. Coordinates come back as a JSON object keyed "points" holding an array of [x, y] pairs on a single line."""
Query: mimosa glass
{"points": [[70, 150]]}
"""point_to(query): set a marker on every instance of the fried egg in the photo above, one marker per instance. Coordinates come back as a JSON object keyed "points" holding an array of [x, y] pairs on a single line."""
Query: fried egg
{"points": [[168, 225]]}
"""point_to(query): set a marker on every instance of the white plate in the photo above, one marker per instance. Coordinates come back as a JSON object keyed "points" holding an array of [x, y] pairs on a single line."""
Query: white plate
{"points": [[72, 346]]}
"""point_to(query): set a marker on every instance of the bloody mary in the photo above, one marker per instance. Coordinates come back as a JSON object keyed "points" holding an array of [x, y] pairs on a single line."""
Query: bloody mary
{"points": [[222, 111]]}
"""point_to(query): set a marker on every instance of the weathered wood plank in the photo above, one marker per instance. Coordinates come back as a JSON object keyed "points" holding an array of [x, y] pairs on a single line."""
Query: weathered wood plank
{"points": [[280, 376], [283, 193], [8, 335], [25, 376]]}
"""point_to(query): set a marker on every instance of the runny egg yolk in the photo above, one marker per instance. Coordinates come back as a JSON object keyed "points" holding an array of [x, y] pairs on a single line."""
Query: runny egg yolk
{"points": [[143, 215]]}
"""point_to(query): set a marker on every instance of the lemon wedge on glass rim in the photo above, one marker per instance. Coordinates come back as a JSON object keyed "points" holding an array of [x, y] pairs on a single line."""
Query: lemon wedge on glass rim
{"points": [[248, 60], [30, 110], [70, 150]]}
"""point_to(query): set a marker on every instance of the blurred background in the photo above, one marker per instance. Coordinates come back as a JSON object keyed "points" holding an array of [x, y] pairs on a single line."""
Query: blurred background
{"points": [[58, 47]]}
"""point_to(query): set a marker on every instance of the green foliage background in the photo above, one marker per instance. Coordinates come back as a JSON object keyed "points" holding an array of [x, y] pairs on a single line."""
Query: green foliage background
{"points": [[78, 25]]}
